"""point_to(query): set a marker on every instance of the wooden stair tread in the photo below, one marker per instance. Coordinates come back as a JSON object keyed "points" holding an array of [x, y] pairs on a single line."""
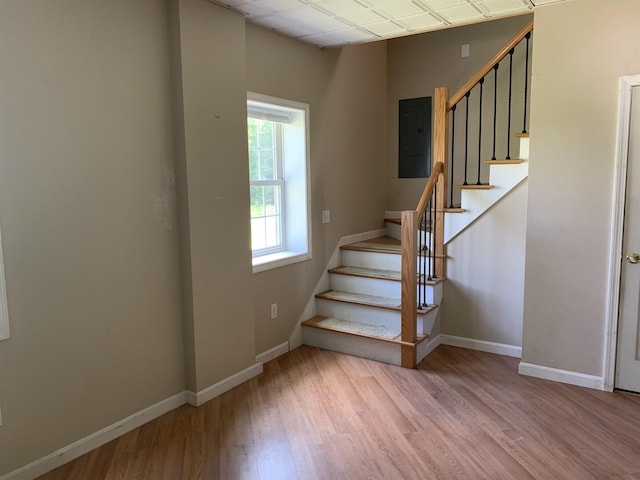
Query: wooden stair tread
{"points": [[362, 299], [522, 135], [451, 210], [426, 254], [506, 161], [315, 322], [392, 275], [367, 272], [380, 245], [433, 281], [474, 186], [389, 303]]}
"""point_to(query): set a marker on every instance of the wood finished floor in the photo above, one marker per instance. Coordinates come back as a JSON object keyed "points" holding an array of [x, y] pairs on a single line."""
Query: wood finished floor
{"points": [[315, 414]]}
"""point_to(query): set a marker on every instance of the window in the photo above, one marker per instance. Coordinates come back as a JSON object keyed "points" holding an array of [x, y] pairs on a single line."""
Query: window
{"points": [[277, 132]]}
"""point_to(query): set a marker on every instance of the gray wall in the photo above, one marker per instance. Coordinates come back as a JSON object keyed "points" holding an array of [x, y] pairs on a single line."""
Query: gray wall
{"points": [[573, 125], [88, 220]]}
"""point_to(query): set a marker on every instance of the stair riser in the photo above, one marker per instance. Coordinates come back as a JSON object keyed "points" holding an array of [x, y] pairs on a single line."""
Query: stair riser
{"points": [[379, 287], [365, 285], [382, 261], [434, 294], [359, 313], [373, 315], [362, 347]]}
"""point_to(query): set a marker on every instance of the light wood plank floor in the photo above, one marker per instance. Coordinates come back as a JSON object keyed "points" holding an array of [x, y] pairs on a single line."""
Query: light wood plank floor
{"points": [[315, 414]]}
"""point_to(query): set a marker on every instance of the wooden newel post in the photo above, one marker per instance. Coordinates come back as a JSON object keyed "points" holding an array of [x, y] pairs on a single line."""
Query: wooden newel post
{"points": [[440, 143], [409, 288]]}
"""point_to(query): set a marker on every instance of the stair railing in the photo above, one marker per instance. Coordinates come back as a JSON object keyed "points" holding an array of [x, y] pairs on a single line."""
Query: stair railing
{"points": [[420, 228], [445, 110], [423, 228]]}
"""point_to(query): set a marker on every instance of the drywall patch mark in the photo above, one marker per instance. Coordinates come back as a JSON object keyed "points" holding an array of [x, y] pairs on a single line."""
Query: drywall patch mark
{"points": [[164, 205]]}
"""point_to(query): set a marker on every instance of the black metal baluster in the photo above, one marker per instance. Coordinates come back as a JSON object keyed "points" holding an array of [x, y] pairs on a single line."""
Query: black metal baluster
{"points": [[453, 142], [526, 83], [466, 138], [423, 258], [480, 130], [509, 114], [495, 107], [434, 231], [427, 272]]}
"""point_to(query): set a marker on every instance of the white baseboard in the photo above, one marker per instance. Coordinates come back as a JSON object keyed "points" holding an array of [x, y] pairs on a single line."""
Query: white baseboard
{"points": [[482, 345], [95, 440], [209, 393], [111, 432], [562, 376], [272, 353]]}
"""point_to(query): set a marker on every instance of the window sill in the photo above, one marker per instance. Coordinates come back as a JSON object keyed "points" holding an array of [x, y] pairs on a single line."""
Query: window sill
{"points": [[280, 259]]}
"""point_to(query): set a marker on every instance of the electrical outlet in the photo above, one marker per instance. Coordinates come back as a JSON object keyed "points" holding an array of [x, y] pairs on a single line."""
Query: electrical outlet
{"points": [[274, 311], [326, 216], [464, 50]]}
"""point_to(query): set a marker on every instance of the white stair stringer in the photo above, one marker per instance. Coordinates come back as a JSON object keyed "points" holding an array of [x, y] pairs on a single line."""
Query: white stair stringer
{"points": [[504, 178]]}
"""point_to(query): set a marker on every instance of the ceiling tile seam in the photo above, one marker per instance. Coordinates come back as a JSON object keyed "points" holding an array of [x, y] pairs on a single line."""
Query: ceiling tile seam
{"points": [[395, 22], [334, 16], [355, 27], [432, 12], [475, 7], [361, 28]]}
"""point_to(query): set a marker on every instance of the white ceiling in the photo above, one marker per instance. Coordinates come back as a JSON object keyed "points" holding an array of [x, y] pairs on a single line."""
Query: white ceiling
{"points": [[332, 23]]}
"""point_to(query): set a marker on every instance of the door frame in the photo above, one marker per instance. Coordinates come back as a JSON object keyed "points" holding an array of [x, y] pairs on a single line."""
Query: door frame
{"points": [[626, 85]]}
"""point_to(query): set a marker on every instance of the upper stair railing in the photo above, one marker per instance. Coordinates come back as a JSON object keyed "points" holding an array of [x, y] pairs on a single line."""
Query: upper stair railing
{"points": [[423, 229]]}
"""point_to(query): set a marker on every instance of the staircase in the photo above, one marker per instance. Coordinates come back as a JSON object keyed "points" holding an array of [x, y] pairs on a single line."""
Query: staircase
{"points": [[361, 312], [384, 296]]}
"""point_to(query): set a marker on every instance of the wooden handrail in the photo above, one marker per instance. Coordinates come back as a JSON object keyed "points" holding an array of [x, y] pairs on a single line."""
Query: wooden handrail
{"points": [[438, 168], [503, 52]]}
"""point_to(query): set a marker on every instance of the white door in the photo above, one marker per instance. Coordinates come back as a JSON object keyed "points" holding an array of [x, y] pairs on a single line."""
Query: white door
{"points": [[628, 351]]}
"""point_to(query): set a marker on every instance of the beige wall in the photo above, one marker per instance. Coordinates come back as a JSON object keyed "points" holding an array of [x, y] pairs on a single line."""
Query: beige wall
{"points": [[345, 89], [418, 64], [579, 55], [216, 170], [88, 220], [115, 303], [483, 295]]}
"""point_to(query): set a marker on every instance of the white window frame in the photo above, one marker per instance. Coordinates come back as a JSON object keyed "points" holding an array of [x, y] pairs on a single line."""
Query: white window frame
{"points": [[277, 182], [296, 205]]}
